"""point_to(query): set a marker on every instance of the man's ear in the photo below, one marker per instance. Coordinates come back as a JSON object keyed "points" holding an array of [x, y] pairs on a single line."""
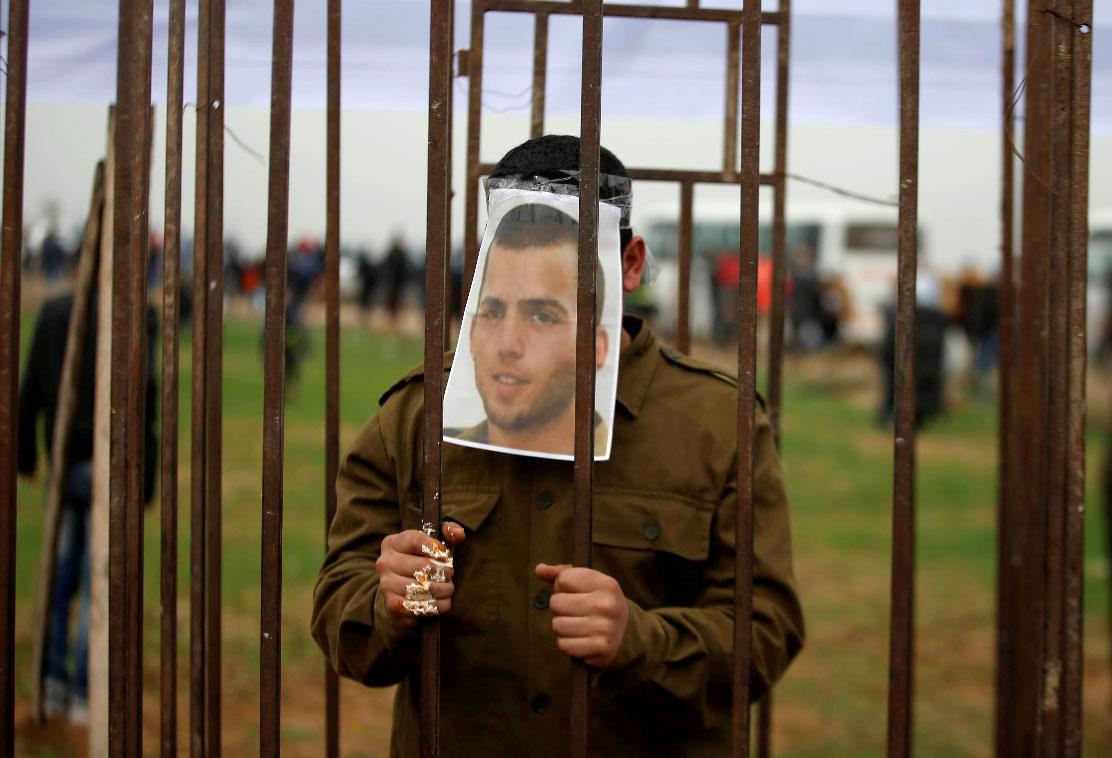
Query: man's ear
{"points": [[602, 347], [633, 264]]}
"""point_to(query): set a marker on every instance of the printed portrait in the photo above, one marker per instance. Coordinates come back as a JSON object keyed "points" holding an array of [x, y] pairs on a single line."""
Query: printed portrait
{"points": [[512, 382]]}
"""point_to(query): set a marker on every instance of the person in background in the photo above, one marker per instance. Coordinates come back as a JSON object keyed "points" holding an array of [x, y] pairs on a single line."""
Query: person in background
{"points": [[65, 685]]}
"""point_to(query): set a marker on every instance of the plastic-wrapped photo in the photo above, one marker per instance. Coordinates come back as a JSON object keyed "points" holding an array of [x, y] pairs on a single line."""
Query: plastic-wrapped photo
{"points": [[512, 382]]}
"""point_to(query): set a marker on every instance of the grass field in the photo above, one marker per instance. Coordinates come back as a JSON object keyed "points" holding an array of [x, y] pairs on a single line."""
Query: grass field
{"points": [[838, 470]]}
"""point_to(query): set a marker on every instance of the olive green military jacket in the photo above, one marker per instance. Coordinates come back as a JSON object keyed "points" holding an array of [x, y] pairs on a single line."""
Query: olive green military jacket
{"points": [[663, 528]]}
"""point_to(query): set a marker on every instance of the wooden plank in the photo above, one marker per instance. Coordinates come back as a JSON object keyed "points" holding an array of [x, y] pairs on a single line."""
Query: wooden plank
{"points": [[63, 423], [98, 541]]}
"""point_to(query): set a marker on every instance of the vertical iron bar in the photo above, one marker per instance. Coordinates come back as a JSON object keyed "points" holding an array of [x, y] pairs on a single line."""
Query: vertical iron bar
{"points": [[14, 134], [1074, 505], [436, 260], [733, 71], [901, 640], [274, 381], [747, 369], [127, 385], [779, 292], [198, 719], [683, 239], [1032, 390], [214, 323], [540, 71], [171, 279], [779, 190], [1005, 606], [332, 338], [137, 380], [1058, 375], [585, 339], [474, 143]]}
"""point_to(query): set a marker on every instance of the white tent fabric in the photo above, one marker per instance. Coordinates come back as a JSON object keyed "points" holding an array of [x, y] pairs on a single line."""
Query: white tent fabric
{"points": [[843, 60]]}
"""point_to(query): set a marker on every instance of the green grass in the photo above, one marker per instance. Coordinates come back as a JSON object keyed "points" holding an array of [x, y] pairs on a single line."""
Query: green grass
{"points": [[838, 469]]}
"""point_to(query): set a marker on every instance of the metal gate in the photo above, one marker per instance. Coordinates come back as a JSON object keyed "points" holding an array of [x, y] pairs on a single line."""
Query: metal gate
{"points": [[1042, 330]]}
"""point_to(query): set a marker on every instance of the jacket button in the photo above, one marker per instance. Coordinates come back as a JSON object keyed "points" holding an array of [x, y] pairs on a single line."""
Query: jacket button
{"points": [[544, 501], [540, 601], [539, 704], [652, 531]]}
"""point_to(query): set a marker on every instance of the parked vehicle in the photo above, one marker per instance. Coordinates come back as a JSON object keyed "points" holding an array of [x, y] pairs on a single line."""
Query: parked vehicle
{"points": [[854, 248]]}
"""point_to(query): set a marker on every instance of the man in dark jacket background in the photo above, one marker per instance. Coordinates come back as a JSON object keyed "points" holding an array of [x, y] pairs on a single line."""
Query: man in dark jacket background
{"points": [[65, 688]]}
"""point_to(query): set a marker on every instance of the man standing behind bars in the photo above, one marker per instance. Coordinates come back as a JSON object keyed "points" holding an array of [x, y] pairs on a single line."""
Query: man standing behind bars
{"points": [[653, 617]]}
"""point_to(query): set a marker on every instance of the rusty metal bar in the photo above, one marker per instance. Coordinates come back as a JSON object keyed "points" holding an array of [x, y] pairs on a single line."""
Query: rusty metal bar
{"points": [[128, 386], [779, 294], [779, 189], [214, 323], [1032, 361], [1006, 443], [12, 240], [685, 232], [540, 70], [197, 555], [901, 640], [1077, 184], [274, 381], [332, 338], [208, 283], [730, 125], [1060, 713], [677, 13], [475, 169], [747, 370], [171, 283], [436, 261], [585, 339]]}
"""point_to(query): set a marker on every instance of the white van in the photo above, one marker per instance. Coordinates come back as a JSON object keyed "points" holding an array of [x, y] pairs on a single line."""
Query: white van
{"points": [[1099, 305], [854, 245]]}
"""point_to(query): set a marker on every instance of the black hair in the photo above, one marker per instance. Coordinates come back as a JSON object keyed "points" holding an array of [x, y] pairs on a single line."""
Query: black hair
{"points": [[538, 225], [552, 156]]}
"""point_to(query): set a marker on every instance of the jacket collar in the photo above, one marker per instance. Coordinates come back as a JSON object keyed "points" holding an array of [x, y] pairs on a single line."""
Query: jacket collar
{"points": [[637, 365]]}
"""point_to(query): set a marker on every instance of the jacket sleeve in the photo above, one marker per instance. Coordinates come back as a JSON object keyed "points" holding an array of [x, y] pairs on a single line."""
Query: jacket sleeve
{"points": [[350, 622], [686, 653]]}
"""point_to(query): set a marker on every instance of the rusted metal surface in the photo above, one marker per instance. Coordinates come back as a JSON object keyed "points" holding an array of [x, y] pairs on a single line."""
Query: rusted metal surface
{"points": [[1006, 553], [332, 338], [171, 309], [208, 282], [779, 192], [1077, 184], [585, 339], [128, 383], [475, 169], [683, 260], [901, 637], [12, 240], [274, 381], [747, 370], [1059, 721], [540, 69], [733, 72], [436, 261]]}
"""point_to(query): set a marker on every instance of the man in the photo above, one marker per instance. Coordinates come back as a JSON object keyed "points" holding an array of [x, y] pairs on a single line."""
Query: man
{"points": [[65, 686], [653, 617], [522, 336]]}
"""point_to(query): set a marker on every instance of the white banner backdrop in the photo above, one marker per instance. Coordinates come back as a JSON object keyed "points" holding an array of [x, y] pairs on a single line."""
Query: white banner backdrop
{"points": [[843, 60]]}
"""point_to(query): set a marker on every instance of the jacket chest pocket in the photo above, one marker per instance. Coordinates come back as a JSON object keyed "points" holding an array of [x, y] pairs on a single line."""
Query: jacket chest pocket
{"points": [[476, 569], [655, 544]]}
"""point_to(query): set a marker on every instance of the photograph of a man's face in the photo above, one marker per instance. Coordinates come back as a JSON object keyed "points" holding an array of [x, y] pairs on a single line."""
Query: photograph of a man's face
{"points": [[512, 382]]}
